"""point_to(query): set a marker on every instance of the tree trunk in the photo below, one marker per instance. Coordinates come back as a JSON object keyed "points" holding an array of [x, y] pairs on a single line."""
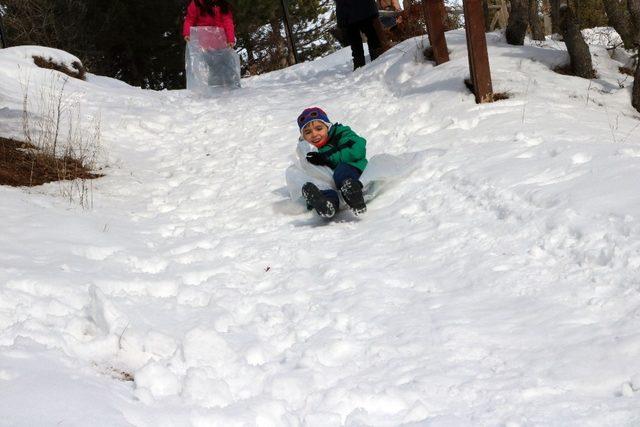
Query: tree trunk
{"points": [[546, 14], [576, 46], [537, 32], [248, 45], [634, 11], [3, 39], [487, 18], [555, 16], [282, 56], [635, 93], [134, 68], [518, 22], [620, 21]]}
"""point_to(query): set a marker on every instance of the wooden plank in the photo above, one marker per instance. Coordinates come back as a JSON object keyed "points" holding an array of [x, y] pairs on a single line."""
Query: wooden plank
{"points": [[435, 14], [477, 48]]}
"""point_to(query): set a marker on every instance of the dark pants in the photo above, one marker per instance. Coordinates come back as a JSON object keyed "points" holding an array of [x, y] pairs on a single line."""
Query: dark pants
{"points": [[341, 173], [221, 68], [355, 40]]}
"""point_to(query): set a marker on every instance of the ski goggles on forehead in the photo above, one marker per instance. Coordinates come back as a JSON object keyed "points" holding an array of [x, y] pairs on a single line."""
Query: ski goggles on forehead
{"points": [[313, 114]]}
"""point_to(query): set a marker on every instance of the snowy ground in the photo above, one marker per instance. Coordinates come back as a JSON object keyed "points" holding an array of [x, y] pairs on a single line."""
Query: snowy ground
{"points": [[498, 285]]}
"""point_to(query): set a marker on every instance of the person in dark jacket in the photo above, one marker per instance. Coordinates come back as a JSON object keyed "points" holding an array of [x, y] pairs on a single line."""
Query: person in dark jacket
{"points": [[340, 149], [355, 16]]}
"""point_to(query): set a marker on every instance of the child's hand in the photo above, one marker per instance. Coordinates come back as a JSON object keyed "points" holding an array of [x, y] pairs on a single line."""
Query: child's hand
{"points": [[186, 38], [316, 158]]}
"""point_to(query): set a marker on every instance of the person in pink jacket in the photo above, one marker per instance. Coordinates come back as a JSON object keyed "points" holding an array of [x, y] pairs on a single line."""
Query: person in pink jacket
{"points": [[210, 13]]}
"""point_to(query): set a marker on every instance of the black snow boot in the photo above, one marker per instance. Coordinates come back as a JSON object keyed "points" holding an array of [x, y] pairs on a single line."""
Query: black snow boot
{"points": [[352, 193], [318, 201]]}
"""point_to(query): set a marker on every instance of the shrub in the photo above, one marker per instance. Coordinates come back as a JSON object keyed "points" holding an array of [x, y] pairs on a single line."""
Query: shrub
{"points": [[57, 145]]}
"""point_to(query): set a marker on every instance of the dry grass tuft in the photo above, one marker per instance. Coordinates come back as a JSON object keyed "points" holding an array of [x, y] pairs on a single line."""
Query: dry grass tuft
{"points": [[24, 165], [60, 143], [499, 96], [122, 375], [626, 70]]}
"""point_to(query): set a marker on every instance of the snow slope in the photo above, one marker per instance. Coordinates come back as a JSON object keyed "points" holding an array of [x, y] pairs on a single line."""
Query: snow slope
{"points": [[497, 285]]}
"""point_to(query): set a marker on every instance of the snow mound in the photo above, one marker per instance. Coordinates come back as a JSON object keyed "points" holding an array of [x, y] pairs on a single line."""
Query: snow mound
{"points": [[496, 284]]}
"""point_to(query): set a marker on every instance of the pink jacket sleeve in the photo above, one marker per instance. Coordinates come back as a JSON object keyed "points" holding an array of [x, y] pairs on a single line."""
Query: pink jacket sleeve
{"points": [[190, 19], [229, 29]]}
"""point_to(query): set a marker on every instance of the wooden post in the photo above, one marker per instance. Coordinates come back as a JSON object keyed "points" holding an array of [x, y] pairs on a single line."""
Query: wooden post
{"points": [[287, 26], [434, 15], [477, 48]]}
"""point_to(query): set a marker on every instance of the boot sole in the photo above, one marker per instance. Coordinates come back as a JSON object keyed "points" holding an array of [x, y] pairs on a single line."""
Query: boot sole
{"points": [[354, 198], [318, 201]]}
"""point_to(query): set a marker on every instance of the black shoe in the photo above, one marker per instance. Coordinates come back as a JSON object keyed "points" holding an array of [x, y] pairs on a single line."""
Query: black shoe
{"points": [[352, 193], [316, 200]]}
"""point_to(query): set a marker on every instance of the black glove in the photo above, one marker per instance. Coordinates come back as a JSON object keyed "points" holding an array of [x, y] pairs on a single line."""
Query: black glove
{"points": [[316, 158]]}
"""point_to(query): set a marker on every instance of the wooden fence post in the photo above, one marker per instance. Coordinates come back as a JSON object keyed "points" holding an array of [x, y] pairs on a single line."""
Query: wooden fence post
{"points": [[477, 48], [435, 18]]}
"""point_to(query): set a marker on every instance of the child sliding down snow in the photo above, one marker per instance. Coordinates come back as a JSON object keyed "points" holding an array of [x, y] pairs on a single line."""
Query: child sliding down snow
{"points": [[340, 149]]}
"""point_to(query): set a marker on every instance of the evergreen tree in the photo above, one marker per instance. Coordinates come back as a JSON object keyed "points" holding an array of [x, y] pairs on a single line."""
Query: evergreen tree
{"points": [[312, 21], [140, 42], [262, 37], [53, 23]]}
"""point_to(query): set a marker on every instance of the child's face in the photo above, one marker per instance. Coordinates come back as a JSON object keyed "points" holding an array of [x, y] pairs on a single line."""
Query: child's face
{"points": [[315, 132]]}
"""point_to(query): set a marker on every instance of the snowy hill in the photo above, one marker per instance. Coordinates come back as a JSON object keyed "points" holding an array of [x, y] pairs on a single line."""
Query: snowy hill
{"points": [[497, 285]]}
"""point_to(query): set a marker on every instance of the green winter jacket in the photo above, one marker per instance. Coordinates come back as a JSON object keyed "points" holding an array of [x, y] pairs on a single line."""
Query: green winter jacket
{"points": [[345, 146]]}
